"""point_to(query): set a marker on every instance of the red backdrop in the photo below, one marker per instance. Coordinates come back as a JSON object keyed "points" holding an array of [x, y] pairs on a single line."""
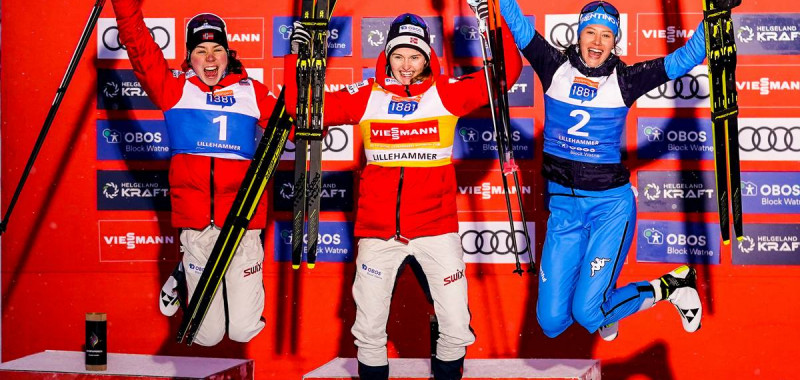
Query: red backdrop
{"points": [[57, 263]]}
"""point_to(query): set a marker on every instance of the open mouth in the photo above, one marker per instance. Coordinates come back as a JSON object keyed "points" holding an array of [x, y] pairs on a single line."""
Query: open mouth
{"points": [[595, 53], [211, 72]]}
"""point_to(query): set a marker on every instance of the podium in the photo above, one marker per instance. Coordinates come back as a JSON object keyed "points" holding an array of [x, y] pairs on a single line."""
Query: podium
{"points": [[484, 369], [70, 365]]}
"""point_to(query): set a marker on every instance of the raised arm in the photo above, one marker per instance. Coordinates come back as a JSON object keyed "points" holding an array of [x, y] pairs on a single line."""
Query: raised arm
{"points": [[146, 58]]}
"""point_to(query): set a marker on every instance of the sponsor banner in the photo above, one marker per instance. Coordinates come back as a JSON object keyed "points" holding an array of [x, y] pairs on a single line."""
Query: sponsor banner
{"points": [[336, 146], [109, 47], [482, 191], [245, 35], [674, 138], [768, 244], [771, 192], [337, 191], [683, 191], [367, 72], [121, 90], [768, 86], [374, 31], [491, 242], [133, 190], [767, 33], [677, 242], [475, 139], [132, 140], [688, 91], [660, 34], [561, 30], [340, 36], [769, 139], [519, 95], [758, 86], [137, 241], [467, 37], [335, 245]]}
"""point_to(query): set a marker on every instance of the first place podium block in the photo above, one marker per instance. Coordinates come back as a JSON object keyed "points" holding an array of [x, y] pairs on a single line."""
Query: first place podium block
{"points": [[484, 369], [70, 365]]}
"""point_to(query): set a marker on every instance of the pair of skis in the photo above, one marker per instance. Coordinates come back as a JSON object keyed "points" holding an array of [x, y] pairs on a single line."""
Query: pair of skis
{"points": [[488, 14], [260, 171], [311, 65], [721, 53]]}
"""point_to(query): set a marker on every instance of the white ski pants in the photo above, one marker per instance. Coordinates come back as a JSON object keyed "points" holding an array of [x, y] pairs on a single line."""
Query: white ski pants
{"points": [[442, 259], [239, 301]]}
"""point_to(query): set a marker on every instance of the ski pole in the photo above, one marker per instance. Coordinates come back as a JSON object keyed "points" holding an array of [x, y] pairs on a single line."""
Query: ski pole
{"points": [[62, 89]]}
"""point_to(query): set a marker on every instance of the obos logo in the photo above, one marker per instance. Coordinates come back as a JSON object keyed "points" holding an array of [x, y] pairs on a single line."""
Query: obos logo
{"points": [[336, 146], [339, 36], [678, 242], [688, 91], [561, 30], [775, 192], [334, 242], [493, 242], [132, 140], [769, 139], [653, 236], [674, 138], [477, 140], [109, 46]]}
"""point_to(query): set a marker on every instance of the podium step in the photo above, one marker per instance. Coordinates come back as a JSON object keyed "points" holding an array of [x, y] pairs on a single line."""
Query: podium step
{"points": [[486, 369], [70, 365]]}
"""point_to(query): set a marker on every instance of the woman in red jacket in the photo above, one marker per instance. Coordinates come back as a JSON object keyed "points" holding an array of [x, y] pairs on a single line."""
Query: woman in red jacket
{"points": [[214, 114], [407, 116]]}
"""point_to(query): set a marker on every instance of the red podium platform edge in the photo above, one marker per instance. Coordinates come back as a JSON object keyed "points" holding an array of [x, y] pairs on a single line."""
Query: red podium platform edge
{"points": [[474, 369], [70, 365]]}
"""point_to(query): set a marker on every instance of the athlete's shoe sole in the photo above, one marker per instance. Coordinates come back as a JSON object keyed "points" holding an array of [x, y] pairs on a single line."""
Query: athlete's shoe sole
{"points": [[681, 285], [609, 332], [169, 301]]}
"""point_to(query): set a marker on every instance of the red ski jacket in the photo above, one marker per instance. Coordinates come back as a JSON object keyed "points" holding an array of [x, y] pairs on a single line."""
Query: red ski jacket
{"points": [[408, 187], [202, 188]]}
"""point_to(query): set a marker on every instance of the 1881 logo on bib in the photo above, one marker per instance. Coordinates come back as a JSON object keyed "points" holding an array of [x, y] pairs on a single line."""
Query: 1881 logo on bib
{"points": [[403, 106], [221, 98], [583, 89]]}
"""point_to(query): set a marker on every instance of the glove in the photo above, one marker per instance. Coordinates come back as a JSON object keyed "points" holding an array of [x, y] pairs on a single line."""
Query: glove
{"points": [[300, 37], [688, 56], [480, 7]]}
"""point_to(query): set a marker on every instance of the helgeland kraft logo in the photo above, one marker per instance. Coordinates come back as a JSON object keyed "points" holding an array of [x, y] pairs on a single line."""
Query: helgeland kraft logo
{"points": [[129, 190], [768, 244], [669, 191]]}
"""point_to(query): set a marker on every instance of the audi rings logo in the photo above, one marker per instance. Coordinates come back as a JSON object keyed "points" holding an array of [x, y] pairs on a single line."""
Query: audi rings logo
{"points": [[493, 242], [109, 46], [769, 139], [487, 242], [336, 145], [563, 34], [685, 87]]}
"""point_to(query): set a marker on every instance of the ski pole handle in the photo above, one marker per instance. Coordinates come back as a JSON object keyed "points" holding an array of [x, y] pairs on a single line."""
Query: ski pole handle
{"points": [[481, 9]]}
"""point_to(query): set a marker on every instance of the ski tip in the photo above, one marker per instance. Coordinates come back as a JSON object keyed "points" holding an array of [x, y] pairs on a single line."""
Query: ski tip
{"points": [[311, 265], [295, 266], [727, 241], [739, 238]]}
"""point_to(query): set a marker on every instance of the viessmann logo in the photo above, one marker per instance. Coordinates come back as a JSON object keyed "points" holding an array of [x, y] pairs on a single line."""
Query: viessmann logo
{"points": [[487, 190], [132, 239], [390, 133], [765, 86], [670, 34]]}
